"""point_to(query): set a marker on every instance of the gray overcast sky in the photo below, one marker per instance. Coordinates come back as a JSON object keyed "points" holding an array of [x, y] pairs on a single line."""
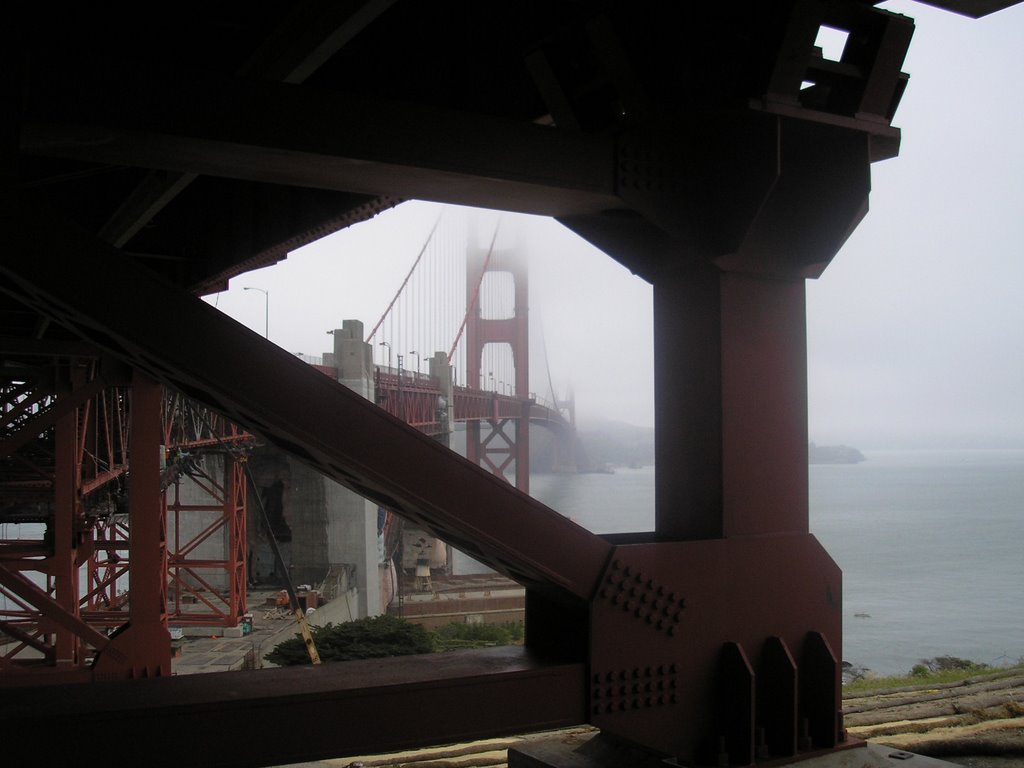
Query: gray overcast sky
{"points": [[915, 331]]}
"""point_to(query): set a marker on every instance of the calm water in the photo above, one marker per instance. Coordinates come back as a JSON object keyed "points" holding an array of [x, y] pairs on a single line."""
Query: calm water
{"points": [[931, 544]]}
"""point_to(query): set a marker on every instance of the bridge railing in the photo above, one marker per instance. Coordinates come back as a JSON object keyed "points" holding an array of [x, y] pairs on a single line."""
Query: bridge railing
{"points": [[414, 397]]}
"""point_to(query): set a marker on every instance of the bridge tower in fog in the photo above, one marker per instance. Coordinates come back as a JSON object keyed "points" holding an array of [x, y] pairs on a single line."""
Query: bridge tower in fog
{"points": [[497, 335]]}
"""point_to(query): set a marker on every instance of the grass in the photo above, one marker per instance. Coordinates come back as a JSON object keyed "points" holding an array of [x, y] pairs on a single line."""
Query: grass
{"points": [[927, 677]]}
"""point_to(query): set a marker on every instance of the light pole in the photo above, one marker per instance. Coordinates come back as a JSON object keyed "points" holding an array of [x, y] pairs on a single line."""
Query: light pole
{"points": [[388, 345], [414, 352], [266, 310]]}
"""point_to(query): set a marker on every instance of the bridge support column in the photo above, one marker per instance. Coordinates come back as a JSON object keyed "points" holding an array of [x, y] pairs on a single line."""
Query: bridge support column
{"points": [[510, 436], [351, 519], [731, 387], [143, 647]]}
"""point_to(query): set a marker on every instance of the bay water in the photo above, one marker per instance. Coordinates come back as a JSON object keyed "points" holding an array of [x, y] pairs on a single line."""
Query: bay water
{"points": [[931, 544]]}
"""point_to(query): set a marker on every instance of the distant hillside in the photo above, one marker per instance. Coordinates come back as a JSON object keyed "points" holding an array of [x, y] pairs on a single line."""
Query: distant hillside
{"points": [[833, 454]]}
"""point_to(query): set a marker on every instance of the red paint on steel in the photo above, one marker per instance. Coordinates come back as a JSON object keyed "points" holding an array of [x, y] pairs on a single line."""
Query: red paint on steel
{"points": [[663, 615]]}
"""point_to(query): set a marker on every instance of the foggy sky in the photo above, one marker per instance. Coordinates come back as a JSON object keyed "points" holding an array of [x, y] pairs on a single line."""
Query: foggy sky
{"points": [[915, 331]]}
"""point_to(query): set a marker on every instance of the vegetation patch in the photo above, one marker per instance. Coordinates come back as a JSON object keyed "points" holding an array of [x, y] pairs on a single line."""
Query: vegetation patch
{"points": [[462, 635], [927, 672], [390, 636], [361, 639]]}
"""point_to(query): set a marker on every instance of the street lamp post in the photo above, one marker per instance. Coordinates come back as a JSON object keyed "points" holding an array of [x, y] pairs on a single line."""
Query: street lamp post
{"points": [[388, 345], [417, 373], [266, 309]]}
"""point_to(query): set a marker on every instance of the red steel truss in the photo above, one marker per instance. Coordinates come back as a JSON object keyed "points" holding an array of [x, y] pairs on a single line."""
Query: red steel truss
{"points": [[64, 454], [194, 598], [205, 505]]}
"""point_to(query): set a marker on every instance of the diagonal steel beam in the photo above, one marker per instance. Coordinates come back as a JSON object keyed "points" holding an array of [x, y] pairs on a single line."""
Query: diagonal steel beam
{"points": [[50, 608], [188, 345]]}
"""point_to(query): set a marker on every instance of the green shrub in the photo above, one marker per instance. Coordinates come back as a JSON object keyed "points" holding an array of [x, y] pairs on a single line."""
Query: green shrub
{"points": [[950, 664], [361, 639]]}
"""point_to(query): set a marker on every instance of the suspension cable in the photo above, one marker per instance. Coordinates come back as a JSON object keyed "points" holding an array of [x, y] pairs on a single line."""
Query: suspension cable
{"points": [[411, 270]]}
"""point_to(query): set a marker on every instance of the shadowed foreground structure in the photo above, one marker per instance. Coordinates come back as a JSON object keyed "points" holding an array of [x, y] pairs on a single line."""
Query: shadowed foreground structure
{"points": [[711, 149]]}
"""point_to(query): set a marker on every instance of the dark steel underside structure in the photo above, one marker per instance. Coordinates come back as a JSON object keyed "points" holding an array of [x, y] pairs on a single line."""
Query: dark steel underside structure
{"points": [[155, 151]]}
